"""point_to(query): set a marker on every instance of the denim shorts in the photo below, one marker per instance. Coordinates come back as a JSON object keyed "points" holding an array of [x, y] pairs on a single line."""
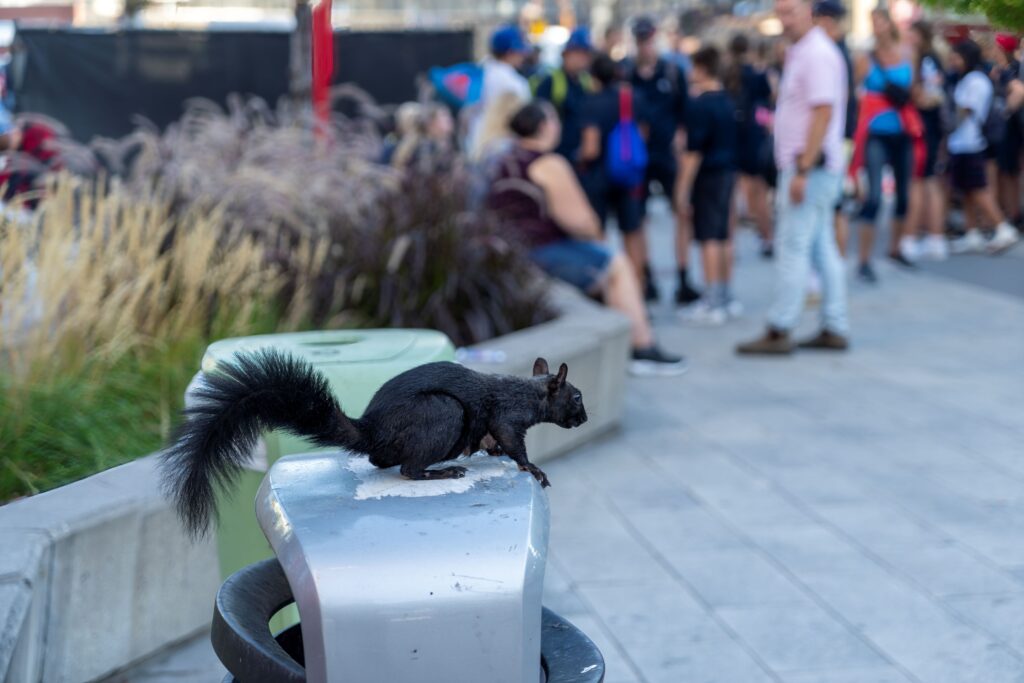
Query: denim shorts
{"points": [[582, 264]]}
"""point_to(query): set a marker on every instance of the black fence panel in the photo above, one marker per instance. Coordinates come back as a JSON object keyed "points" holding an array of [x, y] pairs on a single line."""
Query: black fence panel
{"points": [[96, 81]]}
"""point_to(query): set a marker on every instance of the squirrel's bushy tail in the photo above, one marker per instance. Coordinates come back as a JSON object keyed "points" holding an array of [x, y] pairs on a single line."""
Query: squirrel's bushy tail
{"points": [[257, 392]]}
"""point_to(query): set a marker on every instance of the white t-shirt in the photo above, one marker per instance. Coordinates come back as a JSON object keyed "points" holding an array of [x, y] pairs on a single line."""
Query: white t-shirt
{"points": [[499, 78], [973, 92]]}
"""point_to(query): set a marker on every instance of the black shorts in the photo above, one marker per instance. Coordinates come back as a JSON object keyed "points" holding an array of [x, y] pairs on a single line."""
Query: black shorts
{"points": [[712, 201], [1009, 153], [663, 172], [751, 142], [606, 198], [932, 119], [968, 171]]}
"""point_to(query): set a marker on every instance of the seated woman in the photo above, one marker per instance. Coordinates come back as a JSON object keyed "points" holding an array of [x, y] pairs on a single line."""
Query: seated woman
{"points": [[536, 193]]}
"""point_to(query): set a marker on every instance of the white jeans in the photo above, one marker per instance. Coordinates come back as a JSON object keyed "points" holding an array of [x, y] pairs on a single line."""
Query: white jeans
{"points": [[805, 233]]}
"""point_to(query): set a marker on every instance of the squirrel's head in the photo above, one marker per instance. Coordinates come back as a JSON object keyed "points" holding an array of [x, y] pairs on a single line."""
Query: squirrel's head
{"points": [[564, 401]]}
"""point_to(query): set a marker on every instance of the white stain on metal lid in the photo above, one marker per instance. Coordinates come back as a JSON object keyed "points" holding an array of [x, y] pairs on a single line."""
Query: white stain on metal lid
{"points": [[377, 483]]}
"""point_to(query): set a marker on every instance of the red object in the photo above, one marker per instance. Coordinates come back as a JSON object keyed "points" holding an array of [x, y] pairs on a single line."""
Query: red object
{"points": [[37, 154], [1007, 42], [323, 60], [871, 105], [625, 114]]}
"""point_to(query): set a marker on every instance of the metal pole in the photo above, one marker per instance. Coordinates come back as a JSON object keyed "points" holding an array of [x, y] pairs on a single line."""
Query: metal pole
{"points": [[301, 68]]}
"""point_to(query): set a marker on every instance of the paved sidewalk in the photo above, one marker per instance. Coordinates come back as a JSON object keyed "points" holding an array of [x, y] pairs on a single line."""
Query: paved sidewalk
{"points": [[819, 519]]}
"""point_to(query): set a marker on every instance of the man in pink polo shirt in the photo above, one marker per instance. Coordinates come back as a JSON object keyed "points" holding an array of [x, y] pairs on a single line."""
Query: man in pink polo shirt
{"points": [[809, 121]]}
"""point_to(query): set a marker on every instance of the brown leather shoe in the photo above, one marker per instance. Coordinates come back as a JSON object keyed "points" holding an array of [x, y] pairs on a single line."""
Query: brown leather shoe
{"points": [[826, 341], [773, 343]]}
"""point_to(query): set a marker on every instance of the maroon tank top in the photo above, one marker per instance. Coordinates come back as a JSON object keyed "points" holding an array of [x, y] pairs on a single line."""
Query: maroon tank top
{"points": [[519, 202]]}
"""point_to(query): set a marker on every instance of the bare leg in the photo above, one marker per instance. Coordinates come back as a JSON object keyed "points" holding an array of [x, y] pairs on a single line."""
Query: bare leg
{"points": [[935, 207], [987, 209], [915, 209], [895, 234], [866, 240], [728, 257], [1009, 195], [624, 295], [635, 244], [757, 206], [683, 237], [711, 256]]}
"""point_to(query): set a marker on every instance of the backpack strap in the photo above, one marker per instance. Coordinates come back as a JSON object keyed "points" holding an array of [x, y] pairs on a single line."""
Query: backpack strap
{"points": [[625, 104], [559, 88], [587, 81]]}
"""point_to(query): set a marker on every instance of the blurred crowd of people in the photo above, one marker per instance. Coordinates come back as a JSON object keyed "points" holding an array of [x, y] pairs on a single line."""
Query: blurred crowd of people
{"points": [[722, 127]]}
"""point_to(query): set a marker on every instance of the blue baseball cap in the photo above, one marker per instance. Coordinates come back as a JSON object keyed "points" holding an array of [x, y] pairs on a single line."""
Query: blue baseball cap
{"points": [[579, 39], [508, 39], [829, 8]]}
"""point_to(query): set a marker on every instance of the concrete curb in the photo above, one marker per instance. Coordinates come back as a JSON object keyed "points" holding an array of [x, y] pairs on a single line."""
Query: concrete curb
{"points": [[98, 574]]}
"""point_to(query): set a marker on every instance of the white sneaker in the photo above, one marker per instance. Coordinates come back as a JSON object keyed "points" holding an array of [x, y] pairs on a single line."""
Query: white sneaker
{"points": [[1005, 237], [705, 315], [971, 243], [935, 248], [909, 249]]}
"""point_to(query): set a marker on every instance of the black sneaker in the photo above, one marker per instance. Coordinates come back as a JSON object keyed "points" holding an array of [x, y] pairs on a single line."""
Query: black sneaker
{"points": [[651, 293], [653, 362], [686, 294], [866, 273], [901, 260]]}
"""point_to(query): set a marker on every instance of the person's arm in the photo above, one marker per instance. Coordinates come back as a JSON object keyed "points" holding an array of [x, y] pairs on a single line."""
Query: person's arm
{"points": [[590, 145], [681, 105], [1015, 96], [808, 159], [699, 125], [861, 67], [566, 200], [688, 173]]}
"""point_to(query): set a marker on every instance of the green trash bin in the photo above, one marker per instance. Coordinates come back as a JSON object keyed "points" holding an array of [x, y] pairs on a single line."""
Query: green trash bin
{"points": [[357, 363]]}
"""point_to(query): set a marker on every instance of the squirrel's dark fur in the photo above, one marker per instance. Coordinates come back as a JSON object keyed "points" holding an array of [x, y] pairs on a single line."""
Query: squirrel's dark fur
{"points": [[425, 415]]}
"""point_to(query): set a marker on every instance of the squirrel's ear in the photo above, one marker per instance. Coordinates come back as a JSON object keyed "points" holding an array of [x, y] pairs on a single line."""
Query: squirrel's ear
{"points": [[540, 367], [558, 381]]}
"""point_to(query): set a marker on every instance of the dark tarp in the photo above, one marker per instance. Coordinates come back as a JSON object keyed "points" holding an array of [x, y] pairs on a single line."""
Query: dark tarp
{"points": [[96, 81]]}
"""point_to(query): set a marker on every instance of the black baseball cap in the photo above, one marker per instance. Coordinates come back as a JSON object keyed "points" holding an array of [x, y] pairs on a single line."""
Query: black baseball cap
{"points": [[829, 8], [644, 27]]}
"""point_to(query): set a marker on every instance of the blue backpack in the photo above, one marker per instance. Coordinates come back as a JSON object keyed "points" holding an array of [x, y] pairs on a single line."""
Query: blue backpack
{"points": [[626, 153]]}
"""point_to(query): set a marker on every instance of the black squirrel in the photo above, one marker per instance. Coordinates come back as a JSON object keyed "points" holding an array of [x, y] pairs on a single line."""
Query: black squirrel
{"points": [[423, 416]]}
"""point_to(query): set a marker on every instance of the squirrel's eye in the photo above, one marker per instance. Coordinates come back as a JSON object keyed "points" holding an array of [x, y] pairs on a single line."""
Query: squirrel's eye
{"points": [[578, 398]]}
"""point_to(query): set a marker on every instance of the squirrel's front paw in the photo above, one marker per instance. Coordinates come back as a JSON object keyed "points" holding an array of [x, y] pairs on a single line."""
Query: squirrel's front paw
{"points": [[538, 474]]}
